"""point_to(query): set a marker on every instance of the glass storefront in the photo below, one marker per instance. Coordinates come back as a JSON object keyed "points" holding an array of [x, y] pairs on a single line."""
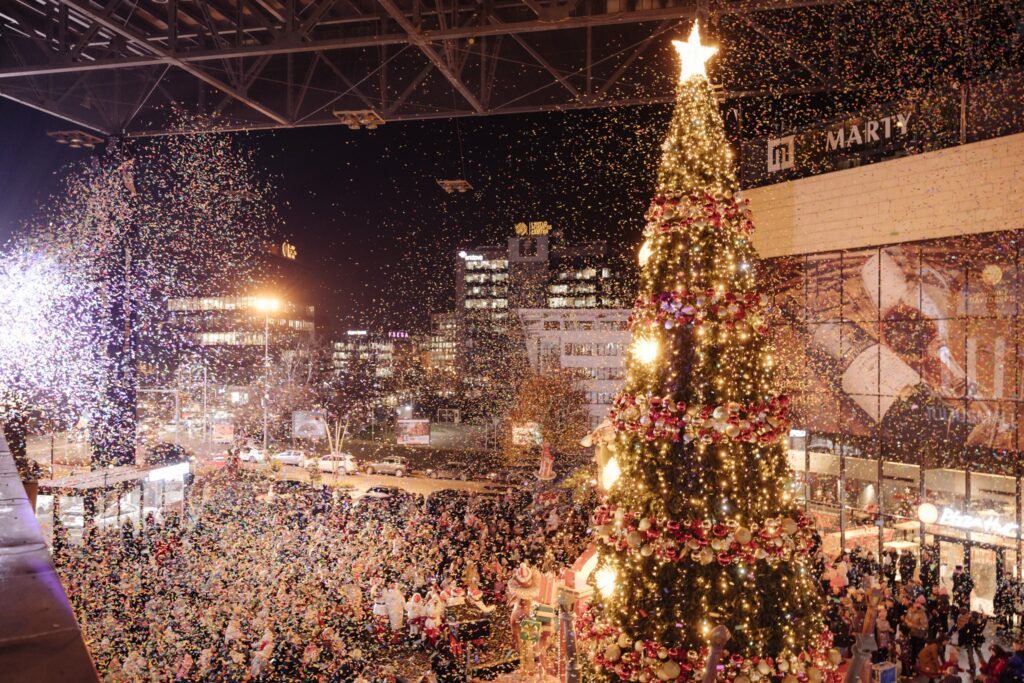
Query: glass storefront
{"points": [[124, 495], [905, 369]]}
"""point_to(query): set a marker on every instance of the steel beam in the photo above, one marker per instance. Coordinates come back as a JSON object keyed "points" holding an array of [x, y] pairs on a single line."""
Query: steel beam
{"points": [[167, 57], [633, 56], [80, 122], [525, 109], [784, 48], [363, 41], [559, 76], [353, 42], [418, 39]]}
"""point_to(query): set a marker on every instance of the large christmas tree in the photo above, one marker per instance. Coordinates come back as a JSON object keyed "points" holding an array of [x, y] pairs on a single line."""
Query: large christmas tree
{"points": [[700, 529]]}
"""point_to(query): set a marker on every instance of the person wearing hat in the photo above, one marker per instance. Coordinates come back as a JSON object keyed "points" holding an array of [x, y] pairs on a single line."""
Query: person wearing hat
{"points": [[415, 613], [394, 601], [434, 616], [930, 664], [523, 587], [916, 623]]}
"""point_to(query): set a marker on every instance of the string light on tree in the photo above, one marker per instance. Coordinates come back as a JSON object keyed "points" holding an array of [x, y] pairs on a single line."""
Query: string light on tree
{"points": [[610, 474], [645, 252], [605, 579], [646, 350], [699, 534]]}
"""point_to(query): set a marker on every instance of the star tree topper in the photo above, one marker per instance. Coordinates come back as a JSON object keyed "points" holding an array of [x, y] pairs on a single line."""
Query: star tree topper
{"points": [[692, 54]]}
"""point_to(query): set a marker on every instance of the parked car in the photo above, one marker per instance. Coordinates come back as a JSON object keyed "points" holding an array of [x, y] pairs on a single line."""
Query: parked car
{"points": [[380, 492], [394, 464], [336, 463], [454, 469], [166, 453], [516, 475], [291, 457], [251, 454]]}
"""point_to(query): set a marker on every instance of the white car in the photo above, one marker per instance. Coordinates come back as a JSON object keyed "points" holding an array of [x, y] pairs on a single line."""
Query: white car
{"points": [[338, 463], [290, 457], [251, 455]]}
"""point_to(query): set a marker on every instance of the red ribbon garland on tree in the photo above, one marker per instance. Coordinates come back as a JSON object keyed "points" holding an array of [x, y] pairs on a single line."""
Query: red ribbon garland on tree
{"points": [[669, 309], [609, 648], [704, 541], [701, 209], [656, 418]]}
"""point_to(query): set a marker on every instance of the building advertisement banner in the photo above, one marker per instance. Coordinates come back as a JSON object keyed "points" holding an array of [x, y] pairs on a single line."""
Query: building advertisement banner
{"points": [[526, 434], [223, 432], [920, 123], [309, 424], [911, 352], [412, 432]]}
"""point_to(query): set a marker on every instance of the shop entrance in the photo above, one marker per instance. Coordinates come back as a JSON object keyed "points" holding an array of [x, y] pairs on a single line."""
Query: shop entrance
{"points": [[987, 564]]}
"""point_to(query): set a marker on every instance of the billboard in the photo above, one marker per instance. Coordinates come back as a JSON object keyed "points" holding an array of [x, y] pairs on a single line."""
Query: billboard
{"points": [[526, 434], [413, 432], [223, 432], [309, 424], [910, 351]]}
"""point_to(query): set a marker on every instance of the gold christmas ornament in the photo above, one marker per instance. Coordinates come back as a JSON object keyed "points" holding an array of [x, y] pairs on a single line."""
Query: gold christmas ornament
{"points": [[668, 671]]}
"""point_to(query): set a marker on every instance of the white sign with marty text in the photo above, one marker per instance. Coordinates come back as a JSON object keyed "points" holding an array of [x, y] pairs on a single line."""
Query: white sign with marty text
{"points": [[988, 525], [868, 132]]}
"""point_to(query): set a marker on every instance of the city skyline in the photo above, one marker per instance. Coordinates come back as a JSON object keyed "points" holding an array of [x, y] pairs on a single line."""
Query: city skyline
{"points": [[372, 233]]}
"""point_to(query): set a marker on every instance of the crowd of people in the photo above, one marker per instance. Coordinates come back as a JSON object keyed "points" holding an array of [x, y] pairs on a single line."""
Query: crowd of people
{"points": [[929, 630], [246, 584]]}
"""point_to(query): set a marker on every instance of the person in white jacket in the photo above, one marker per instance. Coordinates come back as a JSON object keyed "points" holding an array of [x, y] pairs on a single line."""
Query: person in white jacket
{"points": [[394, 601], [415, 613], [261, 654]]}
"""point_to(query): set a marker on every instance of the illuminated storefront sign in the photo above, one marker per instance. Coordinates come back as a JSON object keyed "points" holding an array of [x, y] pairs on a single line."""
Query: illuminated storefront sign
{"points": [[470, 257], [988, 525], [871, 131], [533, 228]]}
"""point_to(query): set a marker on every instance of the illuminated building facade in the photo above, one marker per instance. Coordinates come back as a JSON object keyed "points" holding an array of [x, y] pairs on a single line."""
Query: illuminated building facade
{"points": [[442, 342], [377, 354], [591, 342], [533, 270], [226, 331], [897, 322]]}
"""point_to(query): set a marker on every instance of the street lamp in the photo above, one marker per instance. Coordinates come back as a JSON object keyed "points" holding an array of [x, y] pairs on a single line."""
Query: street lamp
{"points": [[267, 304]]}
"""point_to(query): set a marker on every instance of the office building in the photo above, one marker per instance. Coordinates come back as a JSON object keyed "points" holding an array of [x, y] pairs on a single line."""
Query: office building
{"points": [[534, 269], [591, 342], [442, 342]]}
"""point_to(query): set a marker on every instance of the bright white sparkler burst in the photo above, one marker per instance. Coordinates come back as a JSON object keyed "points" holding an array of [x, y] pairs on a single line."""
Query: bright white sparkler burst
{"points": [[47, 332]]}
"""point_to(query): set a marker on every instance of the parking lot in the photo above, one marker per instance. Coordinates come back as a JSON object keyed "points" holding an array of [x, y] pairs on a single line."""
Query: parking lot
{"points": [[360, 483]]}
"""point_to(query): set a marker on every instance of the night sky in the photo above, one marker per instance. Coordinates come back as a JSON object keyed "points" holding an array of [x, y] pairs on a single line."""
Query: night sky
{"points": [[365, 211]]}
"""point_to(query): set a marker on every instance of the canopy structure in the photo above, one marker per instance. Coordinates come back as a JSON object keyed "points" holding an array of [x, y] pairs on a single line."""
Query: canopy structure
{"points": [[125, 66]]}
